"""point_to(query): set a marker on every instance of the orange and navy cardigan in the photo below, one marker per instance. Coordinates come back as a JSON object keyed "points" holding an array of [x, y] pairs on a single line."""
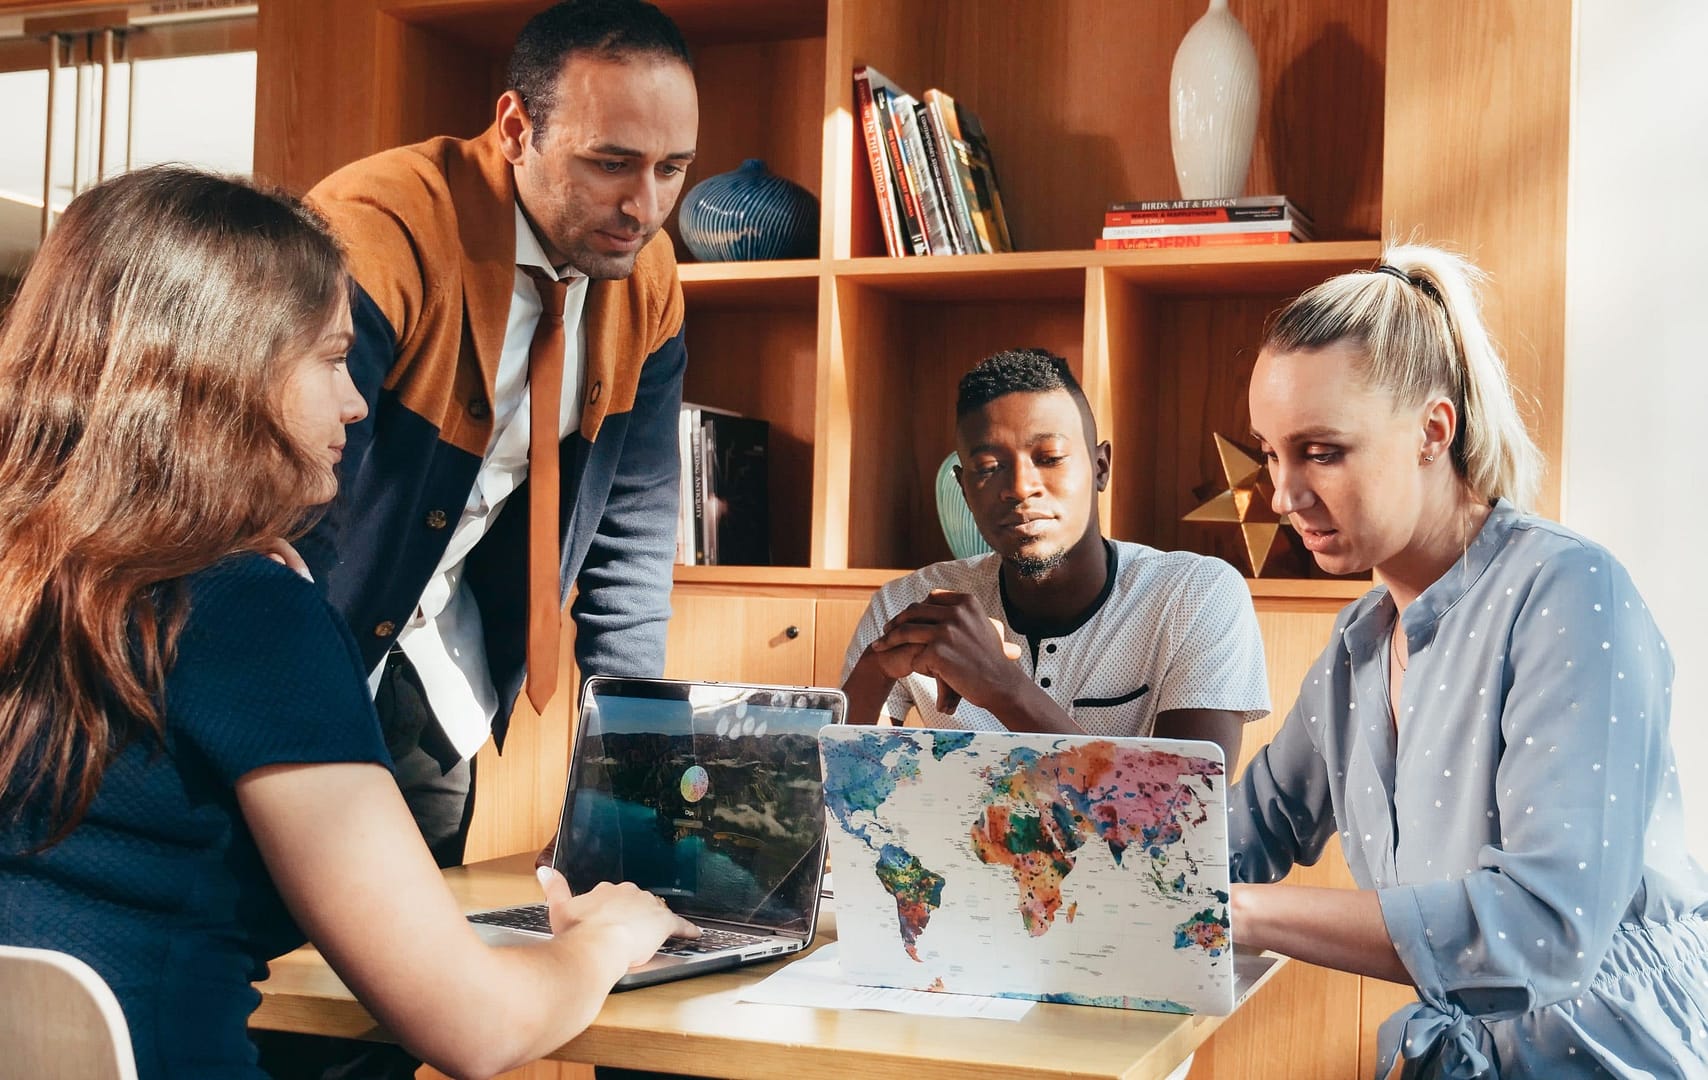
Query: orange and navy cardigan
{"points": [[429, 232]]}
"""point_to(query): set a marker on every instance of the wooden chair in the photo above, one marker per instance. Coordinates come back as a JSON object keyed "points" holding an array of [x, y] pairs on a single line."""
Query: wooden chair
{"points": [[59, 1019]]}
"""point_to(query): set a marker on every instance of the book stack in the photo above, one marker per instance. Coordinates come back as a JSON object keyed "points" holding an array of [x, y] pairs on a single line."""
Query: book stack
{"points": [[1167, 223], [933, 171], [723, 517]]}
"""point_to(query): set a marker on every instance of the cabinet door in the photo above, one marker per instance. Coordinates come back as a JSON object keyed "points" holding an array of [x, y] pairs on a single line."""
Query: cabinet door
{"points": [[834, 628], [741, 639]]}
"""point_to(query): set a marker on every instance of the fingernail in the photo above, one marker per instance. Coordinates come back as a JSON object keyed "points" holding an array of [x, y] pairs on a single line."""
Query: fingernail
{"points": [[544, 873]]}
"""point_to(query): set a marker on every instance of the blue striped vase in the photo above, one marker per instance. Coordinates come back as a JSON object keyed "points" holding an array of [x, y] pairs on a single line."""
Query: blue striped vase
{"points": [[747, 214], [959, 528]]}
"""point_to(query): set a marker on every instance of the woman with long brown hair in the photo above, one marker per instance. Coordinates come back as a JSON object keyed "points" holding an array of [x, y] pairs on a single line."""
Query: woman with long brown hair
{"points": [[190, 767]]}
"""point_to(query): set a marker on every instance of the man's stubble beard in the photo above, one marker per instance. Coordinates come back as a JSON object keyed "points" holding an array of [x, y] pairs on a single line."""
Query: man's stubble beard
{"points": [[1038, 567]]}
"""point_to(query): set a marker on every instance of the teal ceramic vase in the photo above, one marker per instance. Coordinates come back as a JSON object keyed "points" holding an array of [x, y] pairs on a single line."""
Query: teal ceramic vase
{"points": [[747, 214], [959, 528]]}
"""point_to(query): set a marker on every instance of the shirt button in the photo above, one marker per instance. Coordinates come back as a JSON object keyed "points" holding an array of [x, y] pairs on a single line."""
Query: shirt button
{"points": [[1049, 648], [435, 519], [1044, 682], [384, 629], [478, 409]]}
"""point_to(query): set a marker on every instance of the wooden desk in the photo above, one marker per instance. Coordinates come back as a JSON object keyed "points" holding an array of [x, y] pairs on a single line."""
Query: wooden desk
{"points": [[696, 1026]]}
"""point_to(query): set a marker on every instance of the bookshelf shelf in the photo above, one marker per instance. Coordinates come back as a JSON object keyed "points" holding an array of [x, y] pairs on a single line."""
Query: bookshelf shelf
{"points": [[1291, 268], [757, 580], [1061, 274], [1054, 275], [782, 284]]}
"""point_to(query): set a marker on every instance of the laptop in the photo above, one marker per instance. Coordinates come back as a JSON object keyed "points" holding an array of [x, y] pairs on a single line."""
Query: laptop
{"points": [[706, 794], [1063, 868]]}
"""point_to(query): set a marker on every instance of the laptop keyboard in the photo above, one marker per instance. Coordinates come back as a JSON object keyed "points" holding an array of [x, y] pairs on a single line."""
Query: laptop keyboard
{"points": [[533, 917], [529, 917], [709, 941]]}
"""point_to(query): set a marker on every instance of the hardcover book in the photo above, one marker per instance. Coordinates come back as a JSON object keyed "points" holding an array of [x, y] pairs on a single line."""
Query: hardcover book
{"points": [[877, 157], [937, 239], [976, 171], [913, 225], [1218, 228]]}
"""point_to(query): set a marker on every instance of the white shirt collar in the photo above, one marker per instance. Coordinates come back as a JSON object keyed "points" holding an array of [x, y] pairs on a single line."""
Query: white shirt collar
{"points": [[529, 253]]}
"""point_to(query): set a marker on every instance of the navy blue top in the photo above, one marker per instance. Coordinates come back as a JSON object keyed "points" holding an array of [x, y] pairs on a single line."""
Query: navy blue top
{"points": [[160, 888]]}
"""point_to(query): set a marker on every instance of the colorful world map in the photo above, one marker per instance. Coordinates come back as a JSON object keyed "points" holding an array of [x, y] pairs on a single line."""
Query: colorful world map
{"points": [[1031, 812]]}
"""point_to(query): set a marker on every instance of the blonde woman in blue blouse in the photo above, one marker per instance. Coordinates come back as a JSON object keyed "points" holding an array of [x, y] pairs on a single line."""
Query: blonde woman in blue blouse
{"points": [[1488, 728]]}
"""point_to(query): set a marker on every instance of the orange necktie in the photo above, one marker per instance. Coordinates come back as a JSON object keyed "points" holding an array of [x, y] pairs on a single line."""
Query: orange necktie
{"points": [[545, 387]]}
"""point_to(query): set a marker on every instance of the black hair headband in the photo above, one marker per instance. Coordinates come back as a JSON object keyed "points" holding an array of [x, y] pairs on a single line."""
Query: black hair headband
{"points": [[1424, 285]]}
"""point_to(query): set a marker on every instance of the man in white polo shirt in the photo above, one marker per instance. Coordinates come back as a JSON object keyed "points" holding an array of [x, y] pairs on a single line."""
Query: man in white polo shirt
{"points": [[1058, 629]]}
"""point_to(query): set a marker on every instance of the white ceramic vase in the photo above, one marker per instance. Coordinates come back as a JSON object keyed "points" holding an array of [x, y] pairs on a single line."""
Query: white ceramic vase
{"points": [[1213, 106]]}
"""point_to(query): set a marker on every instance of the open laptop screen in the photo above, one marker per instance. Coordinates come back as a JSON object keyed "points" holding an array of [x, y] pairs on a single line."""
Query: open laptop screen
{"points": [[708, 795]]}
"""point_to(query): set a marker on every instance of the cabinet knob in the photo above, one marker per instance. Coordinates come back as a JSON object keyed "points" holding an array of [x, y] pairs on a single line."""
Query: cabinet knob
{"points": [[792, 632]]}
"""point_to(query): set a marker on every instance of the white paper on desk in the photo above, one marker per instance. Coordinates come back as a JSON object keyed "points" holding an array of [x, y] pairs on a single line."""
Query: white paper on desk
{"points": [[816, 982]]}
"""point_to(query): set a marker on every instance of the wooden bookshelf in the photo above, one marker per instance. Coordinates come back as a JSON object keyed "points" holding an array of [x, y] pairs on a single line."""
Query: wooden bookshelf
{"points": [[853, 356], [1383, 118]]}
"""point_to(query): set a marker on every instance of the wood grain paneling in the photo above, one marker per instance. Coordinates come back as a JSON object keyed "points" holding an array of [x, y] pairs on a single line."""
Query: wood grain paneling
{"points": [[740, 640], [1484, 101], [1378, 1001], [519, 793], [836, 622], [317, 102]]}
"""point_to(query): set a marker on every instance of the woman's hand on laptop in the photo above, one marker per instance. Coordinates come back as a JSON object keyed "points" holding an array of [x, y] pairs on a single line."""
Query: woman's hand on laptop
{"points": [[631, 919]]}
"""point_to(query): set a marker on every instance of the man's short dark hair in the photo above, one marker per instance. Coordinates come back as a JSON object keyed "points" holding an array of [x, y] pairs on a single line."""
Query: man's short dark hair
{"points": [[612, 29], [1019, 371]]}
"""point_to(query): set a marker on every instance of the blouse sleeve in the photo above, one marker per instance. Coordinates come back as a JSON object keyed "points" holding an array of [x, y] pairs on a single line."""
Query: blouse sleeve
{"points": [[1281, 813], [1584, 726], [266, 673]]}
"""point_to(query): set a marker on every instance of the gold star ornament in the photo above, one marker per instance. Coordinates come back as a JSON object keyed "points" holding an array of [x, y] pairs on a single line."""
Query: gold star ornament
{"points": [[1245, 503]]}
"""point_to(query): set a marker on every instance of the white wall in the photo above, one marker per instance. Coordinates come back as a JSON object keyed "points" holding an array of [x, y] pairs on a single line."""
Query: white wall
{"points": [[1636, 424]]}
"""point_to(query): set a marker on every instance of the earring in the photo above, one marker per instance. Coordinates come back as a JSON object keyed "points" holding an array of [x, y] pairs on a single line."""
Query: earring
{"points": [[1429, 457]]}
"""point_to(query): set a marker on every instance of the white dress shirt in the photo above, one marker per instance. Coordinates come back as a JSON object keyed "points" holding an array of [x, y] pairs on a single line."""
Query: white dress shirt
{"points": [[444, 639]]}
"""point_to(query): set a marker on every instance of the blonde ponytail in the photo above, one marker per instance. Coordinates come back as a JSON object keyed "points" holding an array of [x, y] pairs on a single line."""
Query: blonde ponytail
{"points": [[1419, 324]]}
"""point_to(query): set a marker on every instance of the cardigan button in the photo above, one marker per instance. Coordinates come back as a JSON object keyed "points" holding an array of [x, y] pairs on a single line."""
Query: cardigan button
{"points": [[479, 409], [436, 519], [384, 629]]}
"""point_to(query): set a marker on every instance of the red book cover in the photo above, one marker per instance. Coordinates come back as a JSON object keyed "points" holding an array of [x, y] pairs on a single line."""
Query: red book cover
{"points": [[1196, 240], [864, 79], [1206, 216]]}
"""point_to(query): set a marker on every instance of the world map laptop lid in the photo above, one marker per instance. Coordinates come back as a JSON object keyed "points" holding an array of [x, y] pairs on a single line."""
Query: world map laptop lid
{"points": [[1074, 869]]}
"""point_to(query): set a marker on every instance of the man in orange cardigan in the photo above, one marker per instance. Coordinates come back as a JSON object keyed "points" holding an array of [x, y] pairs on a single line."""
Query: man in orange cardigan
{"points": [[458, 247]]}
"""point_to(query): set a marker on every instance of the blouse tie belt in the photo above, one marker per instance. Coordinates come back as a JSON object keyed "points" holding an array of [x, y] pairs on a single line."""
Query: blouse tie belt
{"points": [[1421, 1029]]}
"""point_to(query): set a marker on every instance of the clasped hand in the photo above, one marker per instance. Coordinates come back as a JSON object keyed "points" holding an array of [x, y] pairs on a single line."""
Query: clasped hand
{"points": [[949, 638]]}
